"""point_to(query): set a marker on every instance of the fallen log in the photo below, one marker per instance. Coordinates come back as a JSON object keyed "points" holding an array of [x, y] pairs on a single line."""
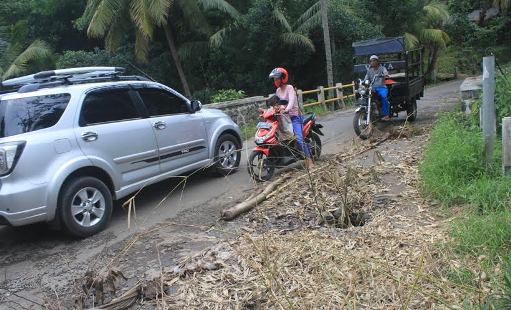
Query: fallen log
{"points": [[247, 205]]}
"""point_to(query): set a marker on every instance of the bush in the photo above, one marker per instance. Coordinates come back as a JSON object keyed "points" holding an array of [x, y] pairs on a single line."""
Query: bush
{"points": [[227, 95], [98, 57]]}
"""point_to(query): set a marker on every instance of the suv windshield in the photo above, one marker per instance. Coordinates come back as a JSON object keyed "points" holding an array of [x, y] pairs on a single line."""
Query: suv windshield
{"points": [[23, 115]]}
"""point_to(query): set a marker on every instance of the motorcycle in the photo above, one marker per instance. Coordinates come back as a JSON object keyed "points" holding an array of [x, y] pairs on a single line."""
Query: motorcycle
{"points": [[273, 151], [369, 107]]}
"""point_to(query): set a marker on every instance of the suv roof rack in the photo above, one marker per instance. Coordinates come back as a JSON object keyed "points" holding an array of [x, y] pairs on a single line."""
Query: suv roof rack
{"points": [[70, 76]]}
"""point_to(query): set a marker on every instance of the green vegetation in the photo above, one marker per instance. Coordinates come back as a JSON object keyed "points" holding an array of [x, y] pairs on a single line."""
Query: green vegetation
{"points": [[248, 131], [502, 97], [227, 95], [453, 172], [489, 234], [202, 46]]}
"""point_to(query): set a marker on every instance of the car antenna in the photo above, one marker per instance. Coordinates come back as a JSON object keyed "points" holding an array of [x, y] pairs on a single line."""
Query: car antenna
{"points": [[138, 69]]}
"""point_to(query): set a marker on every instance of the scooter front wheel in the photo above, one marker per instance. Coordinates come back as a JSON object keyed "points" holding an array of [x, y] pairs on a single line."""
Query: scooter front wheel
{"points": [[363, 129], [259, 166]]}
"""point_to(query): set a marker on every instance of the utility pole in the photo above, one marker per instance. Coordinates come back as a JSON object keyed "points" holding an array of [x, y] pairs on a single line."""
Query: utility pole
{"points": [[489, 115], [326, 38]]}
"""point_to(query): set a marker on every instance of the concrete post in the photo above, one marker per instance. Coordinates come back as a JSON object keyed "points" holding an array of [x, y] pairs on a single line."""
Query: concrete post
{"points": [[299, 94], [488, 109], [339, 93], [506, 146], [321, 97]]}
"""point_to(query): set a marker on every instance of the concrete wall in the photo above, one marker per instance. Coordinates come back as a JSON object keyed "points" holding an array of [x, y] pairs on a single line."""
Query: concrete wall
{"points": [[241, 111]]}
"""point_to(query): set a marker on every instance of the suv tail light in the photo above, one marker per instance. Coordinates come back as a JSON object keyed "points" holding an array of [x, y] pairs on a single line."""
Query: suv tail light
{"points": [[9, 154]]}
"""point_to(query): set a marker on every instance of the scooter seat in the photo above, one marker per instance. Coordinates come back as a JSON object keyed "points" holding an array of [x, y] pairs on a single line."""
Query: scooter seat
{"points": [[308, 117]]}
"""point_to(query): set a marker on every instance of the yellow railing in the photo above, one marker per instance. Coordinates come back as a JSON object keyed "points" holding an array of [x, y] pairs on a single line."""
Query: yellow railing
{"points": [[322, 100]]}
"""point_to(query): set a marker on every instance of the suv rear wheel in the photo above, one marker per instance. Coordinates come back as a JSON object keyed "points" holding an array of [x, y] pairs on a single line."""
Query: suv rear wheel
{"points": [[85, 206], [227, 154]]}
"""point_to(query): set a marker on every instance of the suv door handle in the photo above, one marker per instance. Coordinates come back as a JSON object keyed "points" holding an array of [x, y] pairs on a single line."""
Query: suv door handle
{"points": [[160, 125], [89, 136]]}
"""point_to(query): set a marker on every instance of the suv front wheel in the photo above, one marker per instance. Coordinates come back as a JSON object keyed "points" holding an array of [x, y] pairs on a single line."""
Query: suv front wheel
{"points": [[227, 155], [85, 206]]}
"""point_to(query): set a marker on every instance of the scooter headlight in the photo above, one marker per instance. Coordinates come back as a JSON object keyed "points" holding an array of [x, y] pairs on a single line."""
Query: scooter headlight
{"points": [[362, 91], [260, 139]]}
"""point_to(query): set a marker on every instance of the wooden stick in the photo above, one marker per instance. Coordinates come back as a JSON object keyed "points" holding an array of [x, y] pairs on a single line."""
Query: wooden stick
{"points": [[123, 302], [233, 212]]}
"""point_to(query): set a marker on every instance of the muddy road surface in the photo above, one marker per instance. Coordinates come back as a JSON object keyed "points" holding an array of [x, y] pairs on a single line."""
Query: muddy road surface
{"points": [[39, 266]]}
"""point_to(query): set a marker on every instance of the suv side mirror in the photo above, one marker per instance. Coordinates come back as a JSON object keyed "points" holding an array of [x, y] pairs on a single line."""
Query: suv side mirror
{"points": [[195, 106]]}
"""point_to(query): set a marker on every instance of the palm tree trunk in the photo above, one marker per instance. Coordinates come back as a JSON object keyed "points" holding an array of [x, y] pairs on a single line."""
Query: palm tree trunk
{"points": [[326, 38], [173, 51], [432, 67]]}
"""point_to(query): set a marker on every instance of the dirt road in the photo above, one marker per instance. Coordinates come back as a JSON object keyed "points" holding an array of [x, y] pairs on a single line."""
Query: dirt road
{"points": [[39, 266]]}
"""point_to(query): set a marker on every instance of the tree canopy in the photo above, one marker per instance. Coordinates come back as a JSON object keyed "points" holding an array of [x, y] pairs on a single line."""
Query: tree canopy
{"points": [[203, 46]]}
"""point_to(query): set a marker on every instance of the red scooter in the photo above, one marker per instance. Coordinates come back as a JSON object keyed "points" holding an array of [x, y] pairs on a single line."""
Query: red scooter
{"points": [[274, 151]]}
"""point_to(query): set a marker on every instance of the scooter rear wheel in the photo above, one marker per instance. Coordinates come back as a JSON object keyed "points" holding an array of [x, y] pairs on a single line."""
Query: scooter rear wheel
{"points": [[259, 166], [315, 145]]}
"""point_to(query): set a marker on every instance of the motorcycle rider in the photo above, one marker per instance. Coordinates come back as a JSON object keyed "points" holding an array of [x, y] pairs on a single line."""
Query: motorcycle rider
{"points": [[378, 72], [287, 92]]}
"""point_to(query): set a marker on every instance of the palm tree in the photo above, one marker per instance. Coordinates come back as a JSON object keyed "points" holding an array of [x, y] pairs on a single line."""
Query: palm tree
{"points": [[107, 19], [428, 31], [292, 36], [38, 55], [326, 39]]}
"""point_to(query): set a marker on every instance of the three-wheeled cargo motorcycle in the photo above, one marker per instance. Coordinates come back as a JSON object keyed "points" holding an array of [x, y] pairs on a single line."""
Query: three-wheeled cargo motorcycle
{"points": [[405, 84]]}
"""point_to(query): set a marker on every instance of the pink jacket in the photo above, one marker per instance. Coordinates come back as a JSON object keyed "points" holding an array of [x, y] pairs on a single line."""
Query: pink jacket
{"points": [[289, 94]]}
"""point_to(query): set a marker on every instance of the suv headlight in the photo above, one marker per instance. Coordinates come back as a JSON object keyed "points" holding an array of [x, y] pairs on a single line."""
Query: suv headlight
{"points": [[9, 154]]}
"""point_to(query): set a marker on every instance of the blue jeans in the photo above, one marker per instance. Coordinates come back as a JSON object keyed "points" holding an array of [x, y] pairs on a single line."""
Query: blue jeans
{"points": [[383, 92], [297, 122]]}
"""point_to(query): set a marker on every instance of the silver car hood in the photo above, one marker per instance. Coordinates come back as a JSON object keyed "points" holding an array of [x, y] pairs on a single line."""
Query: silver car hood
{"points": [[214, 113]]}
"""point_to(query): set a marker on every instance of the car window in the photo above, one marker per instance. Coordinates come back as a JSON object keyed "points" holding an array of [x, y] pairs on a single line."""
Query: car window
{"points": [[160, 102], [108, 106], [28, 114]]}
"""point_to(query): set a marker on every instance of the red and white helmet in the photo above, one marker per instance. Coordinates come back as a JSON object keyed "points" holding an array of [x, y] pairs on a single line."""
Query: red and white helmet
{"points": [[279, 76]]}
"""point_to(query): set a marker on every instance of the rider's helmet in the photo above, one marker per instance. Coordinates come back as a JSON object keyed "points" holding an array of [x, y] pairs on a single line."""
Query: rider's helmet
{"points": [[279, 76]]}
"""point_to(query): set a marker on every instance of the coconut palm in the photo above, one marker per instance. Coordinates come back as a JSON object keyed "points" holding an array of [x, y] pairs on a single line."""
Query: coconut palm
{"points": [[38, 55], [292, 36], [428, 31], [107, 19]]}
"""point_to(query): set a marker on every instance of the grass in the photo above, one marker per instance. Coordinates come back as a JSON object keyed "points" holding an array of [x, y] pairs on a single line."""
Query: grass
{"points": [[453, 172], [453, 160], [317, 109], [248, 131], [488, 234]]}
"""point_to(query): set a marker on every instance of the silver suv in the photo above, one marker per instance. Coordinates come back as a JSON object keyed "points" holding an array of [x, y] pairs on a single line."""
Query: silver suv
{"points": [[73, 140]]}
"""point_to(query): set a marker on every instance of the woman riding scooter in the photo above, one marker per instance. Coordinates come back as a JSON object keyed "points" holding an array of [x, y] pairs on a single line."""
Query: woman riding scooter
{"points": [[287, 92]]}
